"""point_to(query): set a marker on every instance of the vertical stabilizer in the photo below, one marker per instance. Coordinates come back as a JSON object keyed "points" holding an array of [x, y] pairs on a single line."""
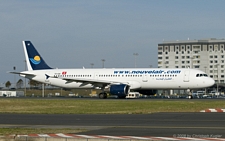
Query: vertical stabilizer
{"points": [[33, 58]]}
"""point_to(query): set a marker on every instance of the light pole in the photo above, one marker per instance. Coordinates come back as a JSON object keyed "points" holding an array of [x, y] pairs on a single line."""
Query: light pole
{"points": [[14, 68], [25, 79], [92, 64], [192, 61], [205, 69], [103, 60], [217, 87], [135, 56]]}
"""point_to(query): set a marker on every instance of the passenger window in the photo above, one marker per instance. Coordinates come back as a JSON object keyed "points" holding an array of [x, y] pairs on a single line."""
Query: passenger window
{"points": [[197, 75]]}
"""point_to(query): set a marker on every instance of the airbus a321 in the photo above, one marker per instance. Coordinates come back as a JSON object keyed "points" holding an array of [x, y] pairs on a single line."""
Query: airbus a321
{"points": [[116, 81]]}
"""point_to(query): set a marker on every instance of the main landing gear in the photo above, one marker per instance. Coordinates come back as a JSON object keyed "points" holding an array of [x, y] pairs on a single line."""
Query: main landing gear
{"points": [[103, 95], [189, 94]]}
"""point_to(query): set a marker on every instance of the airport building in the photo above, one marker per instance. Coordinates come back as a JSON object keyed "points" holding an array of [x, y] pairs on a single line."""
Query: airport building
{"points": [[206, 54]]}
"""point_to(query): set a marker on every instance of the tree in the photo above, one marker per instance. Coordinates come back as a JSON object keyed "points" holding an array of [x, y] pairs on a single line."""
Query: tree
{"points": [[19, 84], [8, 84], [33, 83]]}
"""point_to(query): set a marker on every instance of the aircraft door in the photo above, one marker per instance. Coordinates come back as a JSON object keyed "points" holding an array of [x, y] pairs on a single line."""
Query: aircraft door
{"points": [[186, 76], [96, 75], [145, 78]]}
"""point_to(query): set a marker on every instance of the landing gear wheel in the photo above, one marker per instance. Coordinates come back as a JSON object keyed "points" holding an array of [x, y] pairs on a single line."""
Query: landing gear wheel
{"points": [[190, 97], [102, 95]]}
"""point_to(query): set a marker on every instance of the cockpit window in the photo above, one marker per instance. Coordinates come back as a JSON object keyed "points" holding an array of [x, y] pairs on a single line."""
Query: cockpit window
{"points": [[201, 75]]}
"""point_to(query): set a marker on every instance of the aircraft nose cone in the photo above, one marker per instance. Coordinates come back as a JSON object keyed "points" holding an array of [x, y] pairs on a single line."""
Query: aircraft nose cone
{"points": [[211, 82]]}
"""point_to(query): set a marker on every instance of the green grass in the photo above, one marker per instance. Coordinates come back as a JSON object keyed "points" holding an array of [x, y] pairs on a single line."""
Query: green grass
{"points": [[25, 131], [87, 106]]}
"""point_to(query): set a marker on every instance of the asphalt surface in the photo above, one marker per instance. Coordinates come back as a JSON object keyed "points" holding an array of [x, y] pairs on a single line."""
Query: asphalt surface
{"points": [[156, 124]]}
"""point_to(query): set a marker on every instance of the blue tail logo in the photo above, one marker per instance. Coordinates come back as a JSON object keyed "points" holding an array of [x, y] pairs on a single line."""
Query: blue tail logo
{"points": [[35, 59]]}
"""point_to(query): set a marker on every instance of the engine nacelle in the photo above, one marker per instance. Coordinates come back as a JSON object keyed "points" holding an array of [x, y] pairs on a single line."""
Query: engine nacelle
{"points": [[121, 90]]}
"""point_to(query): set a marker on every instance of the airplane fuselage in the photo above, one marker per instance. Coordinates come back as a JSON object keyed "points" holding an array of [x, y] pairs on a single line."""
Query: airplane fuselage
{"points": [[136, 78]]}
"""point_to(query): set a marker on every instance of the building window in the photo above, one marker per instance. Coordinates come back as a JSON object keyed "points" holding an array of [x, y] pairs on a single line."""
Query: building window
{"points": [[176, 67], [159, 57], [183, 62], [177, 52], [167, 57], [188, 57], [196, 52], [222, 56], [215, 61], [159, 48], [183, 57], [159, 52], [176, 57], [215, 56], [210, 56], [211, 61], [211, 66]]}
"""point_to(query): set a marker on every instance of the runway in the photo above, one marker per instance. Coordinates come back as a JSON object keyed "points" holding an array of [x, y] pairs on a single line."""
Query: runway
{"points": [[156, 124]]}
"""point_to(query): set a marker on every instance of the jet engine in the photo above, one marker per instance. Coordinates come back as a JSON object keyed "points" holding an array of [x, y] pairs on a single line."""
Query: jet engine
{"points": [[121, 90]]}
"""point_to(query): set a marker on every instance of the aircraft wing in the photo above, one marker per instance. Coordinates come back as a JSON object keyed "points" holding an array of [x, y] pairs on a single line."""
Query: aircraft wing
{"points": [[21, 73], [102, 83], [92, 81]]}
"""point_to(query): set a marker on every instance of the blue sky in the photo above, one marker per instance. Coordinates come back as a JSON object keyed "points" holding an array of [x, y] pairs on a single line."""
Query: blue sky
{"points": [[76, 33]]}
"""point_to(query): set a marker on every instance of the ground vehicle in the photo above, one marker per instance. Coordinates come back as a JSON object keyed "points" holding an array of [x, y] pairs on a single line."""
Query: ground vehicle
{"points": [[133, 95]]}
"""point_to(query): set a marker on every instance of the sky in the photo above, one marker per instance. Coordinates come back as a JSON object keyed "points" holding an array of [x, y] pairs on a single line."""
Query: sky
{"points": [[76, 33]]}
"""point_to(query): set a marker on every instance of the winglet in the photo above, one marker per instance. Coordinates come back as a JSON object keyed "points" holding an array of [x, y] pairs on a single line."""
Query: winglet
{"points": [[33, 58]]}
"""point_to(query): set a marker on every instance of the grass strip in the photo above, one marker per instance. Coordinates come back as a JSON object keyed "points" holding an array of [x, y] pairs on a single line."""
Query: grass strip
{"points": [[109, 106], [25, 131]]}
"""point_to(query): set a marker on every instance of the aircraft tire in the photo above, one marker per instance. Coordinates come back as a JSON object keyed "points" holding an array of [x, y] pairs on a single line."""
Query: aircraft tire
{"points": [[102, 95], [190, 97]]}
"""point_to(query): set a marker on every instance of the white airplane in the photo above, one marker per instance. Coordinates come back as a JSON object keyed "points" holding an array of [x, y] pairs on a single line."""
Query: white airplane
{"points": [[116, 81]]}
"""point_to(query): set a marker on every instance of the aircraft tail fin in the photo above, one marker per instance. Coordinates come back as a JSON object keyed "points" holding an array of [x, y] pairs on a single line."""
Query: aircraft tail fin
{"points": [[33, 58]]}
